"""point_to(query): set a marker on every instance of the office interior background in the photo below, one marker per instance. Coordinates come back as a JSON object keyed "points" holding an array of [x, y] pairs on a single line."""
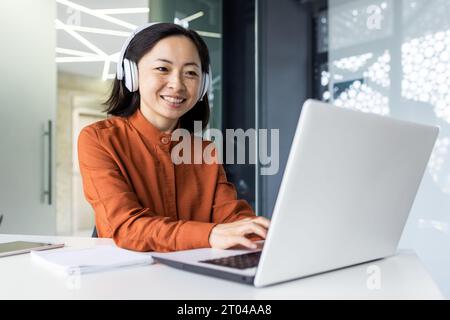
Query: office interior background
{"points": [[389, 57]]}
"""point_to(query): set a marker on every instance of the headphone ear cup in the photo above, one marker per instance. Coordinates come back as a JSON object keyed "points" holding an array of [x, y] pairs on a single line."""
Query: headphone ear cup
{"points": [[134, 76], [206, 80], [202, 87], [130, 75]]}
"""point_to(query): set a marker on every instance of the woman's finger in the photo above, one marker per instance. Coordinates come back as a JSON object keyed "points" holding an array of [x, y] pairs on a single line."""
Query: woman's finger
{"points": [[254, 228], [262, 221], [244, 242]]}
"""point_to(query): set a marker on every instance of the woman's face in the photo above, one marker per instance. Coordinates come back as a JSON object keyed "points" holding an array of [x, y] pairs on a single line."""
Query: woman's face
{"points": [[169, 80]]}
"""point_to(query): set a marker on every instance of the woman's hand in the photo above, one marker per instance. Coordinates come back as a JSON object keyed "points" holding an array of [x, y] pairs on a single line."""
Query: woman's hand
{"points": [[227, 235]]}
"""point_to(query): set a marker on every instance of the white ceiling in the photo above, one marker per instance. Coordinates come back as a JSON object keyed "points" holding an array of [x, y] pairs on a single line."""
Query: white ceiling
{"points": [[106, 45]]}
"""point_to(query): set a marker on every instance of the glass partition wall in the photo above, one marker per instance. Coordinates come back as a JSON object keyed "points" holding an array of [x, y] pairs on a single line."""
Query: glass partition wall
{"points": [[392, 57]]}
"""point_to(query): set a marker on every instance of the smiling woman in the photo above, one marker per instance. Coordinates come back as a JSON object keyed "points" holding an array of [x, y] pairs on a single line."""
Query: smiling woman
{"points": [[140, 197]]}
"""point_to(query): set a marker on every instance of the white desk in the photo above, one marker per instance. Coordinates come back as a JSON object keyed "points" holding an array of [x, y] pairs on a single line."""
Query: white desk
{"points": [[402, 277]]}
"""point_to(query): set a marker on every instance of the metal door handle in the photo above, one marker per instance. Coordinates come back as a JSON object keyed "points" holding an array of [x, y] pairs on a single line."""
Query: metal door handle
{"points": [[48, 191]]}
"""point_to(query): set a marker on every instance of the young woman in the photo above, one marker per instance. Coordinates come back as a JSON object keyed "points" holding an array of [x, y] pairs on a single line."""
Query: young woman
{"points": [[141, 198]]}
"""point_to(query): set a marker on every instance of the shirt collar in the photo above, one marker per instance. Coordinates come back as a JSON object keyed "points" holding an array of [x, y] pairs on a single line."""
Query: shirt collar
{"points": [[149, 131]]}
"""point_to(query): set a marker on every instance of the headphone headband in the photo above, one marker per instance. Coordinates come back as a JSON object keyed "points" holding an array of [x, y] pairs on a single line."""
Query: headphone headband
{"points": [[120, 72]]}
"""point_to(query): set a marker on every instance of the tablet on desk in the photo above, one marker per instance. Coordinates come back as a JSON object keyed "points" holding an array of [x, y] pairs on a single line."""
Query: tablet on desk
{"points": [[18, 247]]}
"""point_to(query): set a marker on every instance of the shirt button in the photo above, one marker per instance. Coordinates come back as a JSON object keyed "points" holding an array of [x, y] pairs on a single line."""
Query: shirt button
{"points": [[165, 140]]}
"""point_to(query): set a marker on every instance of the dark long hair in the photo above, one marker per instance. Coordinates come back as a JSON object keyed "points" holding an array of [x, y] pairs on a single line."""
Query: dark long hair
{"points": [[124, 103]]}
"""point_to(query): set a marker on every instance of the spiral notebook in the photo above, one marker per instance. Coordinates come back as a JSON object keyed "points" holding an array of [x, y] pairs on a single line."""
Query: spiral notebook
{"points": [[95, 259]]}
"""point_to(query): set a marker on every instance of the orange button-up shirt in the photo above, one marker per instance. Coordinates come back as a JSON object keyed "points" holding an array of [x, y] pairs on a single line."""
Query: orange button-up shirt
{"points": [[141, 198]]}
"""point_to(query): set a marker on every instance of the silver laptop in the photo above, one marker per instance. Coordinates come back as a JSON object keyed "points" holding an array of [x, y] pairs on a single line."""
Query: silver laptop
{"points": [[349, 184]]}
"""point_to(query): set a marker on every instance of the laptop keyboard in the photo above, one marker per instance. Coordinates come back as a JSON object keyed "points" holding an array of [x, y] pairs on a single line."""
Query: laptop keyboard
{"points": [[241, 261]]}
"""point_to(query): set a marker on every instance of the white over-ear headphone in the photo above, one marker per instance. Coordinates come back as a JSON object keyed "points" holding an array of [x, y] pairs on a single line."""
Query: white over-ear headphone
{"points": [[127, 70]]}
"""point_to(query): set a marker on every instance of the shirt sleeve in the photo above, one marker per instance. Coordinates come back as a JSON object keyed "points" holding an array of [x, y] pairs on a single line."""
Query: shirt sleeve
{"points": [[119, 211], [226, 207]]}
